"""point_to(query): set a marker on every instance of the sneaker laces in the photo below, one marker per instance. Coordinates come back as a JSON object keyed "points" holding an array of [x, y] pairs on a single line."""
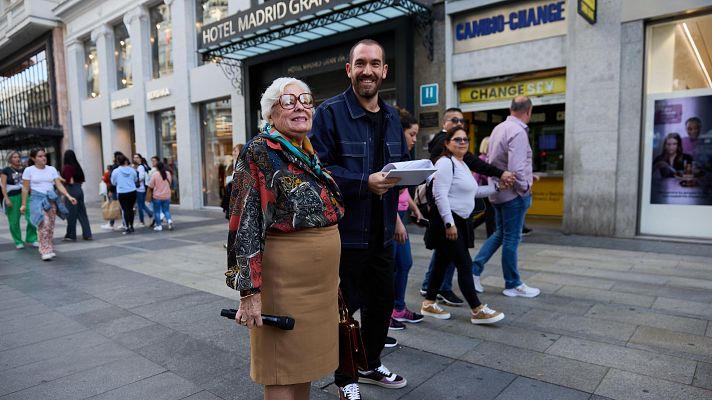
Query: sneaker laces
{"points": [[383, 370], [487, 310], [351, 391], [436, 307]]}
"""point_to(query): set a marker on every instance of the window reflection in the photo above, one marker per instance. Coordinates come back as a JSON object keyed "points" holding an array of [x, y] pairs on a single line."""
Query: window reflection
{"points": [[91, 68], [216, 127], [122, 54], [207, 12], [161, 40], [167, 148]]}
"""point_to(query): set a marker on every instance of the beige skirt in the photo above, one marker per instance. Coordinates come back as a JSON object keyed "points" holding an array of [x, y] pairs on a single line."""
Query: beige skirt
{"points": [[300, 275]]}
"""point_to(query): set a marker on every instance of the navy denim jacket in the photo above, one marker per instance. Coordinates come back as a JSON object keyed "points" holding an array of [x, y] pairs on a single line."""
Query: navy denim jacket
{"points": [[342, 135]]}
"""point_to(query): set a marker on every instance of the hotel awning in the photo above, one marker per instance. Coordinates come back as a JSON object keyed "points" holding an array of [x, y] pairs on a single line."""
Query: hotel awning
{"points": [[275, 25], [19, 138]]}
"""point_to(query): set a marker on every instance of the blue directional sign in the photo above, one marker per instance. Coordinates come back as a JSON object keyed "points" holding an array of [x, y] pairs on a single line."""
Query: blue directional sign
{"points": [[429, 95]]}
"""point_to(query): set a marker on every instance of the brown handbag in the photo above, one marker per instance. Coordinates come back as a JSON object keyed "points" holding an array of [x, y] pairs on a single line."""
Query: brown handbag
{"points": [[352, 355]]}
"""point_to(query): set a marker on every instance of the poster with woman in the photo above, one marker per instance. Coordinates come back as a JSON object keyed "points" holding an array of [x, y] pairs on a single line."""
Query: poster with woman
{"points": [[682, 151]]}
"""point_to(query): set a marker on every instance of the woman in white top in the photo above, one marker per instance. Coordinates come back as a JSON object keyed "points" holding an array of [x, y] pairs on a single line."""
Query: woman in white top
{"points": [[454, 191], [42, 179]]}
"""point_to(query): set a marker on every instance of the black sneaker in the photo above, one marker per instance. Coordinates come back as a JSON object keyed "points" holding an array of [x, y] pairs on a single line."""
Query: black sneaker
{"points": [[391, 342], [350, 392], [449, 298], [526, 231], [382, 377], [396, 325]]}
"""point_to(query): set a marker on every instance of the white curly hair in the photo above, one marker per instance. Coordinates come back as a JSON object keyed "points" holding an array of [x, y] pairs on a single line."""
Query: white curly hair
{"points": [[271, 96]]}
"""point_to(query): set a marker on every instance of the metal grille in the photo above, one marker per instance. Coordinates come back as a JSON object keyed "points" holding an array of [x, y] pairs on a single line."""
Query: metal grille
{"points": [[25, 95]]}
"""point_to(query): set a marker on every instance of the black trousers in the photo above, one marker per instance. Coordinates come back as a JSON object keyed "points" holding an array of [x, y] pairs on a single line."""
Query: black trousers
{"points": [[367, 284], [127, 201], [456, 252], [77, 212]]}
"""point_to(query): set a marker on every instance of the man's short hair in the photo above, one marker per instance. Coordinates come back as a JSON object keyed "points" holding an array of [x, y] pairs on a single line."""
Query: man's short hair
{"points": [[366, 42], [450, 110], [695, 120], [521, 104]]}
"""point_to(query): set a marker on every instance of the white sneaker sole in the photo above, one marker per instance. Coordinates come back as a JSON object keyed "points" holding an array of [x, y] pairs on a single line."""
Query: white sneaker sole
{"points": [[517, 294], [436, 316], [383, 385], [488, 320]]}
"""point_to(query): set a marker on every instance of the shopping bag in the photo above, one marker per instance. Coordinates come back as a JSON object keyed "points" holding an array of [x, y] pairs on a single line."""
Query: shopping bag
{"points": [[110, 210]]}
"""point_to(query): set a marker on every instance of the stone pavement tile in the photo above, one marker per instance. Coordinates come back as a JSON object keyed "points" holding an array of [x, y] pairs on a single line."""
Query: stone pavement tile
{"points": [[530, 389], [204, 237], [21, 311], [93, 381], [59, 295], [576, 280], [691, 346], [683, 307], [156, 292], [605, 296], [543, 302], [48, 370], [222, 333], [152, 244], [666, 271], [495, 284], [185, 315], [627, 385], [204, 395], [699, 282], [562, 264], [91, 319], [578, 326], [12, 270], [643, 316], [544, 367], [709, 329], [627, 359], [689, 294], [163, 307], [165, 386], [703, 376], [703, 265], [196, 360], [31, 322], [60, 347], [423, 336], [82, 307], [234, 385], [141, 337], [37, 334], [461, 380], [120, 325], [524, 337]]}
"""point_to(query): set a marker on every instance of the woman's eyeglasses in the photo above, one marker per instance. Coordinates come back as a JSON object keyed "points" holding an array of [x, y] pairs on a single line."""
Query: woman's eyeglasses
{"points": [[460, 140], [288, 101]]}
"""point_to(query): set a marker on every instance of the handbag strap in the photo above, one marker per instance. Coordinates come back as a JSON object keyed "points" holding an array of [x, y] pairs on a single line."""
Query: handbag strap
{"points": [[343, 310]]}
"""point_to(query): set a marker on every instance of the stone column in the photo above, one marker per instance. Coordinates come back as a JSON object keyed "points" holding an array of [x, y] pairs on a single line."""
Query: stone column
{"points": [[137, 23], [189, 147], [103, 37]]}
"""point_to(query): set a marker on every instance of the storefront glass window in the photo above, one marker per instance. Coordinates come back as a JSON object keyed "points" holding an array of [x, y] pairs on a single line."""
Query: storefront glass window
{"points": [[25, 96], [161, 40], [207, 12], [677, 140], [216, 125], [122, 54], [91, 68], [167, 147]]}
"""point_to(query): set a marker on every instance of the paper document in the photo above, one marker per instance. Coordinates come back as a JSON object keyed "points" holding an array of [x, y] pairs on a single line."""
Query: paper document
{"points": [[411, 172]]}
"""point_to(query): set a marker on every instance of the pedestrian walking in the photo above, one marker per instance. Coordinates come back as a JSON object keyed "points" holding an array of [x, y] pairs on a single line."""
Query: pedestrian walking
{"points": [[284, 246], [450, 232], [11, 183], [125, 179], [73, 176], [160, 189], [141, 166], [403, 257], [453, 117], [356, 133], [112, 195], [509, 148], [42, 179]]}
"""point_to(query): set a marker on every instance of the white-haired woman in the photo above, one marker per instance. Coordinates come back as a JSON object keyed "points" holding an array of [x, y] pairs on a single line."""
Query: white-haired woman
{"points": [[284, 246]]}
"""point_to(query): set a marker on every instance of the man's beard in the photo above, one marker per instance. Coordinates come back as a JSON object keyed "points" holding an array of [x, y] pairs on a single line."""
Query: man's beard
{"points": [[367, 93]]}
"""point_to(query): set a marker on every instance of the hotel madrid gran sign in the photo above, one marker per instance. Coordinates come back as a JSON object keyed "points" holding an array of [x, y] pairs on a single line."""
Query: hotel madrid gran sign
{"points": [[268, 14], [509, 24]]}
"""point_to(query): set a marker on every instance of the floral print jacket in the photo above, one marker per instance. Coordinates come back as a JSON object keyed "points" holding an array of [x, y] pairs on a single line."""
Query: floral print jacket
{"points": [[273, 190]]}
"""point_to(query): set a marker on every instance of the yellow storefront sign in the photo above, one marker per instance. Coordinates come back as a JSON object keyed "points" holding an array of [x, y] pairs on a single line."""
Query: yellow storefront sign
{"points": [[548, 197], [510, 90]]}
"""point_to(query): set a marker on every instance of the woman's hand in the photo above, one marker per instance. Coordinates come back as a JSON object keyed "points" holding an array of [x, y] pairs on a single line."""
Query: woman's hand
{"points": [[401, 234], [8, 203], [22, 209], [418, 215], [72, 200], [250, 311], [451, 233]]}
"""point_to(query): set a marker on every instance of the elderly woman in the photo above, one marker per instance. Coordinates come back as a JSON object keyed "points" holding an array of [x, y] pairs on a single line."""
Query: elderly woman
{"points": [[284, 246]]}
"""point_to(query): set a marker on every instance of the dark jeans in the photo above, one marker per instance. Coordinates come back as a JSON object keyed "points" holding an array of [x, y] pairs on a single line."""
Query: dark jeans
{"points": [[367, 284], [455, 252], [127, 201], [78, 211]]}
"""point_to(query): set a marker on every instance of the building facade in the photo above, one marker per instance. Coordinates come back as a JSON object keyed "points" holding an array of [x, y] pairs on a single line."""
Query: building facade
{"points": [[611, 82]]}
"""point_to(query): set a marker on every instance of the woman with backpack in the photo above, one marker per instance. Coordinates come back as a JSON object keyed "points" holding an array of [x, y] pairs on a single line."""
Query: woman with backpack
{"points": [[454, 191], [73, 176], [142, 168], [125, 179], [160, 185]]}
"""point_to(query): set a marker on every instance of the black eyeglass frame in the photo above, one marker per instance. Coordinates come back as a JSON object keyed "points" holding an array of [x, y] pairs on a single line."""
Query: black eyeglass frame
{"points": [[460, 140], [456, 120], [296, 98]]}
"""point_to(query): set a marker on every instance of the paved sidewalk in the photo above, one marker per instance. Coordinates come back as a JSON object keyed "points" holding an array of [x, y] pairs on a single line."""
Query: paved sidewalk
{"points": [[136, 317]]}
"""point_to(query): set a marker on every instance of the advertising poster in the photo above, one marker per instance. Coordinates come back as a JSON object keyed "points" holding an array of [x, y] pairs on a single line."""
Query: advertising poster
{"points": [[682, 151]]}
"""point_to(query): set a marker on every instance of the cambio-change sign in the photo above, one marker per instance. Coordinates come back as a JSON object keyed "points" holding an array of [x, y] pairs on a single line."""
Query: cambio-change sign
{"points": [[509, 24], [265, 16]]}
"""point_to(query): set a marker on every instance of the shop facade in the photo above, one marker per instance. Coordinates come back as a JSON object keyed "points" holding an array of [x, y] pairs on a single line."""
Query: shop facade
{"points": [[609, 81], [136, 84]]}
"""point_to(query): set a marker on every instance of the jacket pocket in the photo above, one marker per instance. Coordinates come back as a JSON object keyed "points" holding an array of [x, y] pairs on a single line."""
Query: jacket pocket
{"points": [[352, 149], [394, 151]]}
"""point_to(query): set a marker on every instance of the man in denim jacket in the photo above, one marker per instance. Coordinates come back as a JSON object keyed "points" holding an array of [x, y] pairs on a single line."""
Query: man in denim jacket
{"points": [[355, 135]]}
